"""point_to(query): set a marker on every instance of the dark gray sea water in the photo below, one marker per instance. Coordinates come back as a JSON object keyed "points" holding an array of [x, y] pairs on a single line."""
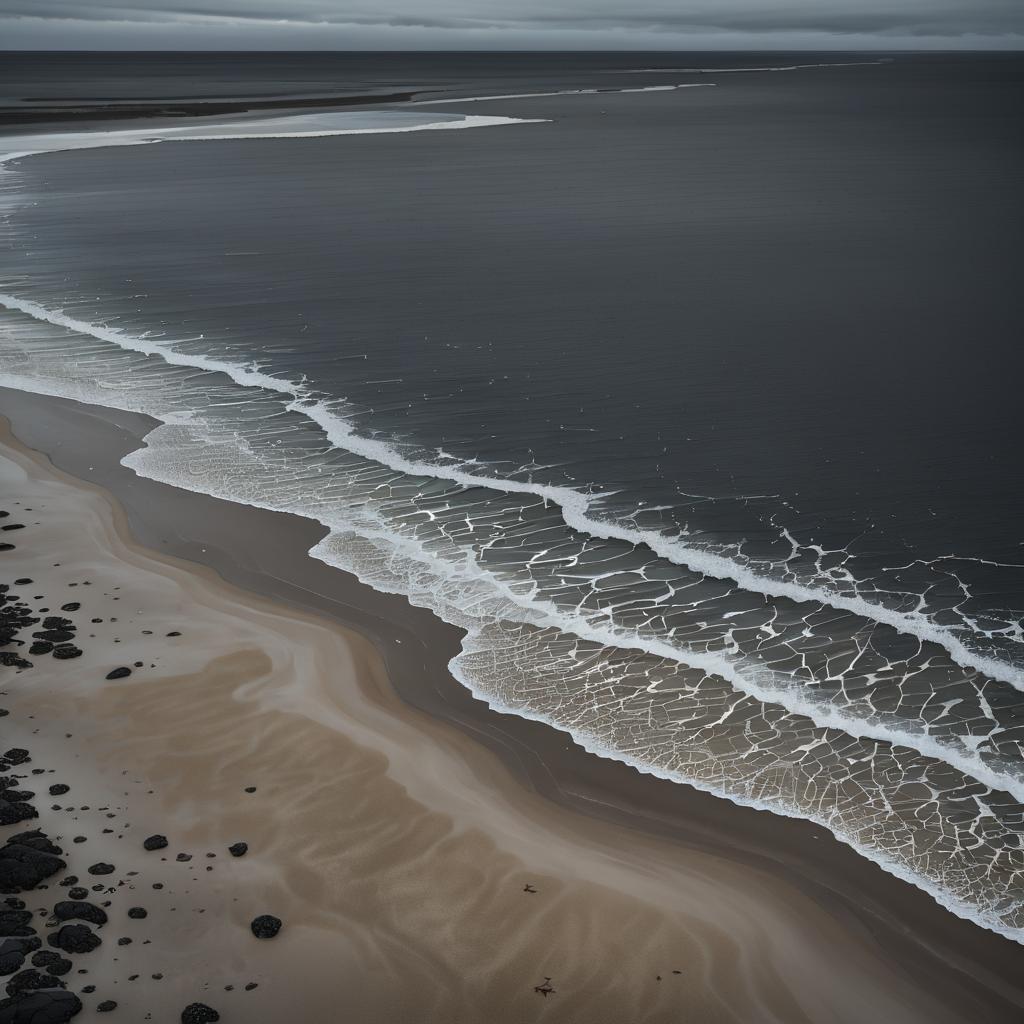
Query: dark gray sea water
{"points": [[688, 385]]}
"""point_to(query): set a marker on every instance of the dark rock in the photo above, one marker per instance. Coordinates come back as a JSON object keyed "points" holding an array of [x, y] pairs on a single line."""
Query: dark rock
{"points": [[31, 980], [70, 910], [238, 849], [36, 840], [59, 789], [12, 813], [26, 860], [154, 843], [55, 636], [11, 660], [14, 951], [16, 795], [16, 755], [138, 913], [101, 869], [66, 653], [58, 622], [54, 1007], [71, 606], [106, 1006], [183, 858], [78, 893], [40, 647], [51, 962], [199, 1013], [15, 923], [124, 941], [266, 926], [119, 673], [74, 938]]}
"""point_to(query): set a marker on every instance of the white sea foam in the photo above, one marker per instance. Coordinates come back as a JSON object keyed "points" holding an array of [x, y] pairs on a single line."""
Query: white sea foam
{"points": [[298, 126], [151, 461], [560, 92], [750, 679], [729, 71], [575, 505]]}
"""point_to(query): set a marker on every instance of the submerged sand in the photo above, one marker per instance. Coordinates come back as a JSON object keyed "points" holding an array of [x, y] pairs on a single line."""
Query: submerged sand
{"points": [[417, 878]]}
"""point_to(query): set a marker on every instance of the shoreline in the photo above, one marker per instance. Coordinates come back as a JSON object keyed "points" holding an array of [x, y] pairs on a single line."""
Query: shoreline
{"points": [[577, 794]]}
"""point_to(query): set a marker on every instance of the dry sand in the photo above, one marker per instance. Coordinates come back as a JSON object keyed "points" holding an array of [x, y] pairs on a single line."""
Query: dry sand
{"points": [[394, 848]]}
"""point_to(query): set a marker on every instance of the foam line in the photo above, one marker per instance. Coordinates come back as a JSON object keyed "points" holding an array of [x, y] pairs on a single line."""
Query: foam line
{"points": [[562, 92], [729, 71], [574, 505], [59, 142]]}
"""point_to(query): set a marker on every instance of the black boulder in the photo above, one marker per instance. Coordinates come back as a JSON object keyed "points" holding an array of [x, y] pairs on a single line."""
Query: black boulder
{"points": [[266, 926]]}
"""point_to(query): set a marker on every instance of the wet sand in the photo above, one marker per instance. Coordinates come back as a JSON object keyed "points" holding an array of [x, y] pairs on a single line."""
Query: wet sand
{"points": [[395, 821]]}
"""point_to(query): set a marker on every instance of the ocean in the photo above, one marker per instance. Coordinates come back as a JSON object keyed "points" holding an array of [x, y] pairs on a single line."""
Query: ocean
{"points": [[685, 384]]}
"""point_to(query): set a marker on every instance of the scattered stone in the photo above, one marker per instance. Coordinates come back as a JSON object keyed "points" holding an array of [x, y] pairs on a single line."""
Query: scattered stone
{"points": [[54, 1007], [199, 1013], [26, 860], [183, 858], [13, 812], [106, 1006], [13, 953], [119, 673], [138, 913], [238, 849], [15, 923], [250, 789], [55, 635], [101, 869], [74, 938], [78, 893], [71, 606], [31, 980], [69, 910], [67, 652], [59, 789], [266, 926], [155, 843], [51, 962]]}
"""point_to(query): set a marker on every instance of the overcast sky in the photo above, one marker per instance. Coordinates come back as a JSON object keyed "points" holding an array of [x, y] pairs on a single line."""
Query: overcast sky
{"points": [[510, 24]]}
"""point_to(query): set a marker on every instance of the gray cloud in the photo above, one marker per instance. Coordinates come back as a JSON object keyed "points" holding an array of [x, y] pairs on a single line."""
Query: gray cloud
{"points": [[510, 23]]}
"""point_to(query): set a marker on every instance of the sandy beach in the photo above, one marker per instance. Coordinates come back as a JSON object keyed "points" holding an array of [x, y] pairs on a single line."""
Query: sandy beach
{"points": [[418, 875]]}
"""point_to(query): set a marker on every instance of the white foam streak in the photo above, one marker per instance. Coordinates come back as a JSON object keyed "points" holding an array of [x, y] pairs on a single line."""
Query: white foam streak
{"points": [[575, 506], [320, 126], [561, 92], [729, 71]]}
